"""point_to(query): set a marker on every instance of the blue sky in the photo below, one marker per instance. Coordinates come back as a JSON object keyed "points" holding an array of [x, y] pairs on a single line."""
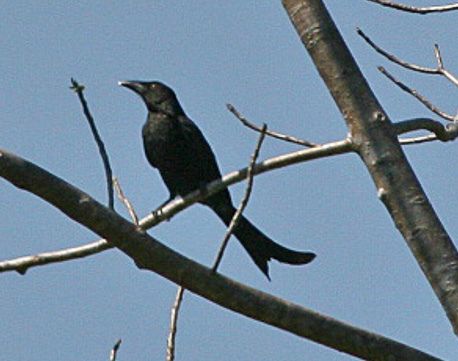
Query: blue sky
{"points": [[212, 53]]}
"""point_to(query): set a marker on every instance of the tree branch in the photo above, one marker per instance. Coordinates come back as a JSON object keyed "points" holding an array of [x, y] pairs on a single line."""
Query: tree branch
{"points": [[376, 143], [395, 59], [150, 254], [441, 132], [417, 95], [22, 264], [418, 140], [414, 9], [271, 133], [439, 70], [170, 355], [235, 219], [122, 197], [114, 350], [78, 89]]}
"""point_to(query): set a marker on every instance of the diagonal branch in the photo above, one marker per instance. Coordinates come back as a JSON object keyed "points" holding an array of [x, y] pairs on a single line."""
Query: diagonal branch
{"points": [[394, 59], [78, 89], [417, 95], [235, 219], [376, 142], [170, 355], [271, 133], [149, 254], [22, 264]]}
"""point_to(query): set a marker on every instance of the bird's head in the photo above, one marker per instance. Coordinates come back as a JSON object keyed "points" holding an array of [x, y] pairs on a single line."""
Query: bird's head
{"points": [[157, 96]]}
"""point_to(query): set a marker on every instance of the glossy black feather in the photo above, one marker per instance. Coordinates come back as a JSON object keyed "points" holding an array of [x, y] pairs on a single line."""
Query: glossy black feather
{"points": [[177, 148]]}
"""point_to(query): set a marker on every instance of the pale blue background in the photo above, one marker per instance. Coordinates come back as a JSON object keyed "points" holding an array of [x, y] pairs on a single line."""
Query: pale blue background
{"points": [[211, 53]]}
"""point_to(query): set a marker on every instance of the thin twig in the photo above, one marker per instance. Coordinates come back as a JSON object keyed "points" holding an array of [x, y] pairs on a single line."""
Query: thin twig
{"points": [[235, 219], [173, 324], [395, 59], [78, 89], [271, 133], [114, 350], [417, 95], [439, 70], [414, 9], [125, 200], [22, 264], [437, 54], [417, 140], [440, 65]]}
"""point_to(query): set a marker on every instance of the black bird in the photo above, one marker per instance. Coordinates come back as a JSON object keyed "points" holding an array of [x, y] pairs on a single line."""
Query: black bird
{"points": [[177, 148]]}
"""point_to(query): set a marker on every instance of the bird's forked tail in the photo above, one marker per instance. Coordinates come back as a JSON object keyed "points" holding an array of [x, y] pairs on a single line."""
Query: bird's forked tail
{"points": [[260, 247]]}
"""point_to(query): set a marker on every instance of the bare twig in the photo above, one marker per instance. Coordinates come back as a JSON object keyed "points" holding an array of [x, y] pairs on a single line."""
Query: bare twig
{"points": [[414, 9], [230, 229], [417, 140], [271, 133], [395, 59], [78, 89], [173, 324], [437, 54], [21, 264], [114, 350], [441, 132], [439, 70], [417, 95], [150, 254], [235, 219], [125, 201], [440, 66]]}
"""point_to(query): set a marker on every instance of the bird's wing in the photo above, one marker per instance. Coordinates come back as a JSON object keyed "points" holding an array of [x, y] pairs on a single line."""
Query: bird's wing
{"points": [[198, 146]]}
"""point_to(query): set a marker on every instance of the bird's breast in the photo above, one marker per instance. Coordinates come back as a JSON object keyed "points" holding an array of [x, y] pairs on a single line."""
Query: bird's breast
{"points": [[164, 143]]}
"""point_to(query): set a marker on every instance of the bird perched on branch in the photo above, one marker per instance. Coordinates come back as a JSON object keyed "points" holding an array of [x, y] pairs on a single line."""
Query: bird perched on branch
{"points": [[177, 148]]}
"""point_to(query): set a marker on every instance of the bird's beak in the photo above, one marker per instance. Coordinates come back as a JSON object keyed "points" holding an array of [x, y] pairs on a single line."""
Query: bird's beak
{"points": [[136, 86]]}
